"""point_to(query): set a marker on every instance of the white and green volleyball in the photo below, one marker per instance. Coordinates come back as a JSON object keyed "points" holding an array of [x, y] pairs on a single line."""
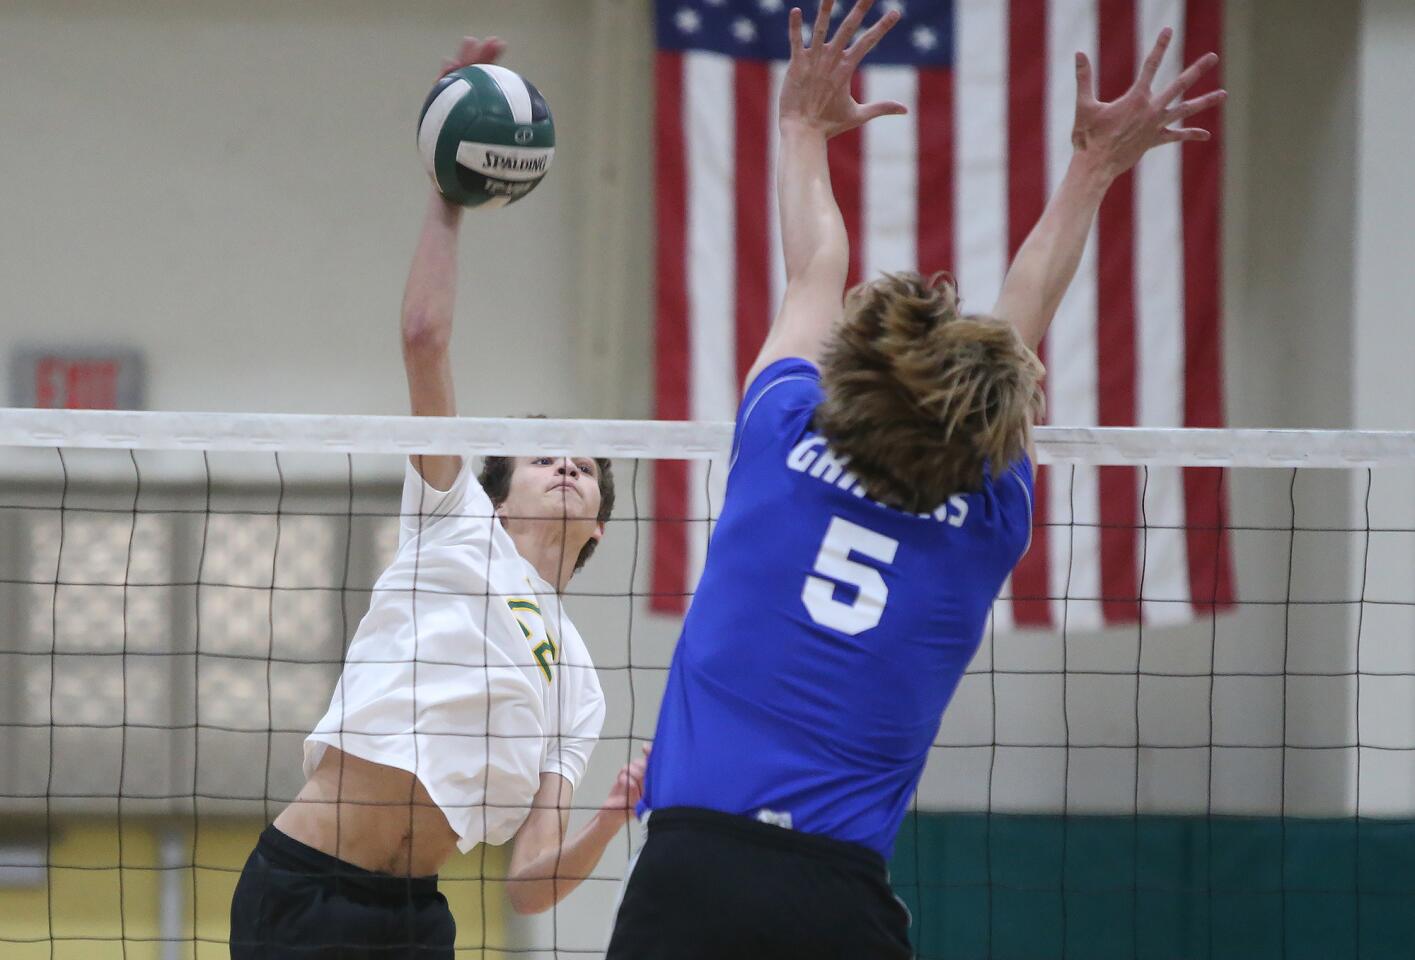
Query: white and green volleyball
{"points": [[486, 136]]}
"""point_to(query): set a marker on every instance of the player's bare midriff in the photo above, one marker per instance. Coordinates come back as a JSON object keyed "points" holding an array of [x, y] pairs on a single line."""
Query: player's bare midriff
{"points": [[376, 817]]}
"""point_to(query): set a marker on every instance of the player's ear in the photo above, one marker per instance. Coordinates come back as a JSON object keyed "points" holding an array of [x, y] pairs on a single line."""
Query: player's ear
{"points": [[598, 534]]}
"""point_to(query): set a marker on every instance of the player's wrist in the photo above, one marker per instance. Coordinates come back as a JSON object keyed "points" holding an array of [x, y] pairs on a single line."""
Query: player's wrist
{"points": [[1092, 172], [612, 815], [802, 128], [444, 210]]}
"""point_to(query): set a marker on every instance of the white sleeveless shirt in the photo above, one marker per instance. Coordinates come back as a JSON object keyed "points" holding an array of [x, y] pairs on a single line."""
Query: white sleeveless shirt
{"points": [[466, 671]]}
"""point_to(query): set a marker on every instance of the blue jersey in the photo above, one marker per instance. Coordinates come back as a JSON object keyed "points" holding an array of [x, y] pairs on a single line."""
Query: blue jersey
{"points": [[828, 632]]}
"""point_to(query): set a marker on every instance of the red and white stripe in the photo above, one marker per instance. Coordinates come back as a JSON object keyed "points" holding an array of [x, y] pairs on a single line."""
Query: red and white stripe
{"points": [[957, 185], [1159, 336]]}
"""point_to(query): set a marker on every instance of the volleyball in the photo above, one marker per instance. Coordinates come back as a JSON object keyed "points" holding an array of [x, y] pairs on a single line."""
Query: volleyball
{"points": [[486, 136]]}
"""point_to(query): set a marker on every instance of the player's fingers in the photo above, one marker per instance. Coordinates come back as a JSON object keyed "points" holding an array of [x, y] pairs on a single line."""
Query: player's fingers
{"points": [[1184, 133], [850, 24], [1085, 83], [882, 108], [1186, 79], [648, 749], [793, 27], [469, 53], [1189, 108], [492, 48], [822, 26], [1152, 63], [871, 37]]}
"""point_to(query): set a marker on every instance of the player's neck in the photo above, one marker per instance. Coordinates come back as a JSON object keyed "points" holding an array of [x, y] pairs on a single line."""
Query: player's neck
{"points": [[548, 546]]}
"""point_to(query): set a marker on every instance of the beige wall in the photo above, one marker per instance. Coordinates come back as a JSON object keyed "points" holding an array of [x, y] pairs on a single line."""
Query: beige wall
{"points": [[1289, 189], [235, 190], [1383, 389]]}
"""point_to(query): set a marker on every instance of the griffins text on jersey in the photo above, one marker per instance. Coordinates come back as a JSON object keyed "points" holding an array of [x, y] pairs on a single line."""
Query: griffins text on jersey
{"points": [[813, 457]]}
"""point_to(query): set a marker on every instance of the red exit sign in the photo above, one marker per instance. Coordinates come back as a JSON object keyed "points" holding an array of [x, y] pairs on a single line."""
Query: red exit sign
{"points": [[78, 380]]}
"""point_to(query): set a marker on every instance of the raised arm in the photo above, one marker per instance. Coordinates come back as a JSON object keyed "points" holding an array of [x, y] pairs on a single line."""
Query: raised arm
{"points": [[816, 105], [546, 862], [430, 297], [1108, 139]]}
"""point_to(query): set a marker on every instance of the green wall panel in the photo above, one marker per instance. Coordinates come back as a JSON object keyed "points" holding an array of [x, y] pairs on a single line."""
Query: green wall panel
{"points": [[1157, 888]]}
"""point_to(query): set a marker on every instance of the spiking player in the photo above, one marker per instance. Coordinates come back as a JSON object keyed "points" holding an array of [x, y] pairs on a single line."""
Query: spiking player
{"points": [[468, 706], [879, 494]]}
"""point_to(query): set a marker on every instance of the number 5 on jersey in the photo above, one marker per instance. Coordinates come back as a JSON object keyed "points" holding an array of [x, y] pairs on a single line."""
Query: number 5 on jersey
{"points": [[842, 539]]}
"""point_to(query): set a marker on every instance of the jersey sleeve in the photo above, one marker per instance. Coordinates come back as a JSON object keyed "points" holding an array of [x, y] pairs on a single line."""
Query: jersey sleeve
{"points": [[1017, 486], [424, 506], [569, 749], [785, 391]]}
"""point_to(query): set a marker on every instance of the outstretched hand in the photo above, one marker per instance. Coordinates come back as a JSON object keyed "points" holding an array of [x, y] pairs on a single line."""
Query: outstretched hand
{"points": [[471, 50], [1116, 134], [628, 787], [816, 89]]}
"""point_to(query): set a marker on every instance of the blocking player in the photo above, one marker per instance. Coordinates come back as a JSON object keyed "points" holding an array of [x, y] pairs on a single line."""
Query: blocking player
{"points": [[879, 494], [468, 706]]}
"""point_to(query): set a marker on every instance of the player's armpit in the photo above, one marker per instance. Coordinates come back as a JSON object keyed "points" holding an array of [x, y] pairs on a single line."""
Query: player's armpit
{"points": [[803, 325]]}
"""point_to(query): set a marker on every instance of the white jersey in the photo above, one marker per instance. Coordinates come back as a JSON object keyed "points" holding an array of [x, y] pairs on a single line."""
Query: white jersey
{"points": [[466, 671]]}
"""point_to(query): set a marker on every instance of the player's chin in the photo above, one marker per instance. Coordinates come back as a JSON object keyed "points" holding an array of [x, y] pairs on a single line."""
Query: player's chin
{"points": [[563, 505], [567, 513]]}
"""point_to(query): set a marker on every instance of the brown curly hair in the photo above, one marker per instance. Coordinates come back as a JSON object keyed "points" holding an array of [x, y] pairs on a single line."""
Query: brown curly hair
{"points": [[922, 398], [496, 481]]}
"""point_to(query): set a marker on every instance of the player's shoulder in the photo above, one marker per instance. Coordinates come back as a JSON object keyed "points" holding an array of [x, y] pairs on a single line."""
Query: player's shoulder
{"points": [[789, 377], [1006, 502], [576, 666], [463, 498], [571, 640], [777, 405], [559, 619], [1019, 479]]}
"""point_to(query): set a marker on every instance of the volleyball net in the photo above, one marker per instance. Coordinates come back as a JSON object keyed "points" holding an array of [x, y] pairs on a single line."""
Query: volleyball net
{"points": [[1138, 763]]}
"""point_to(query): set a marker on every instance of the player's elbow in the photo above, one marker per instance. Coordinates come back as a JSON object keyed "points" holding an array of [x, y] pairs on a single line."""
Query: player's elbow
{"points": [[528, 897], [425, 335], [825, 268]]}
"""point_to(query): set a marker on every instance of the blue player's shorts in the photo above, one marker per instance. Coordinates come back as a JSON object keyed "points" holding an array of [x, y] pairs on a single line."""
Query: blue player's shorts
{"points": [[710, 886]]}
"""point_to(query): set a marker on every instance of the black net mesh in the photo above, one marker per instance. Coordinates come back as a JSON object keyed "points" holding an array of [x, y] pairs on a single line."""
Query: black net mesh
{"points": [[1214, 779]]}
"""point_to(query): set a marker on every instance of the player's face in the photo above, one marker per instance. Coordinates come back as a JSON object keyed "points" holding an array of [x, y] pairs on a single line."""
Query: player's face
{"points": [[554, 488]]}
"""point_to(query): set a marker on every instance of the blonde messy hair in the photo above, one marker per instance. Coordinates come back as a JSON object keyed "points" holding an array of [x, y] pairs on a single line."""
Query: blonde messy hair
{"points": [[921, 398]]}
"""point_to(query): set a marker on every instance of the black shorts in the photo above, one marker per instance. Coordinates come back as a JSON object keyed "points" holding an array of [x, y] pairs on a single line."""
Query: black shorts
{"points": [[710, 886], [294, 902]]}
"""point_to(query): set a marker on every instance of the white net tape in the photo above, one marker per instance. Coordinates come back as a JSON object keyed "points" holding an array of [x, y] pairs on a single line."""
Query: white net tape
{"points": [[1121, 446]]}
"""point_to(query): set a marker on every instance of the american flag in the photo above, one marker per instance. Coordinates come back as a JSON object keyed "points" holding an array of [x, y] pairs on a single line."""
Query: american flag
{"points": [[957, 185]]}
